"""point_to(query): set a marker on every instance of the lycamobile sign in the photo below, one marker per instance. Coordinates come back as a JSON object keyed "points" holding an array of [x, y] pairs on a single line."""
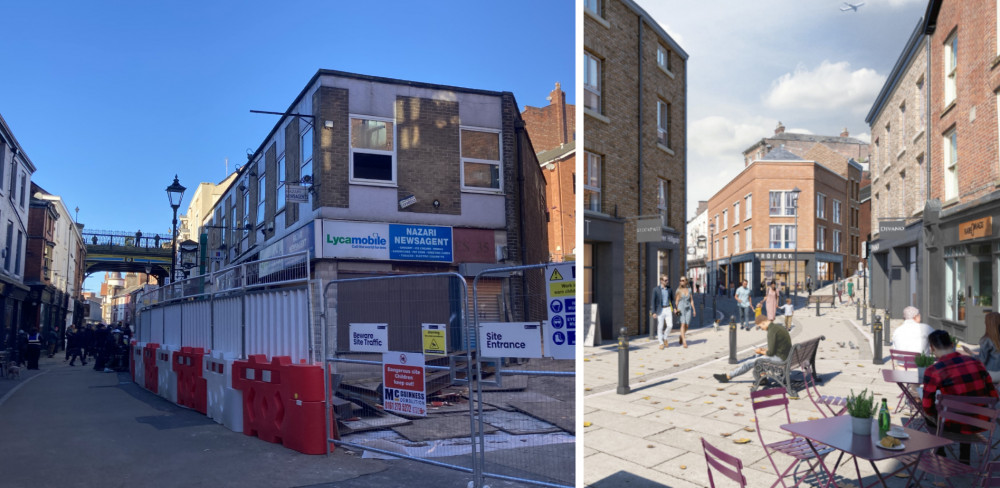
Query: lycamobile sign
{"points": [[403, 242]]}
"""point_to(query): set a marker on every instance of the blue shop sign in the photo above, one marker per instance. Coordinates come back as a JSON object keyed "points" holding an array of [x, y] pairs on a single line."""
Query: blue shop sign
{"points": [[420, 243]]}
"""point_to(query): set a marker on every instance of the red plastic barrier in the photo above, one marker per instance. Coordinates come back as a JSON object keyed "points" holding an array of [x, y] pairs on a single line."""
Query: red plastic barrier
{"points": [[149, 369], [192, 388], [263, 402]]}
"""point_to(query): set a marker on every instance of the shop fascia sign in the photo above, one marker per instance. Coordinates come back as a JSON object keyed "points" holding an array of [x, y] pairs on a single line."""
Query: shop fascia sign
{"points": [[975, 229], [395, 242], [776, 256]]}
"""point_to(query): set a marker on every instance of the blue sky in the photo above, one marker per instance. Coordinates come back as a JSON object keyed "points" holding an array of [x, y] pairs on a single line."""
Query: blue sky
{"points": [[111, 98]]}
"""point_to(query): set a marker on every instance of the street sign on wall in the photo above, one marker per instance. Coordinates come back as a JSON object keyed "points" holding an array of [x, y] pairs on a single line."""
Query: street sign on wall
{"points": [[648, 230]]}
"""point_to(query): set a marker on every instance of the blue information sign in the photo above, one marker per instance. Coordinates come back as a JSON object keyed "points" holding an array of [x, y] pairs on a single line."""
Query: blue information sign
{"points": [[420, 243]]}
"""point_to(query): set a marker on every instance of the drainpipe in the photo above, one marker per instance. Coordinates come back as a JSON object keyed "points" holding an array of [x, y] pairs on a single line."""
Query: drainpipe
{"points": [[639, 247], [925, 293], [518, 132]]}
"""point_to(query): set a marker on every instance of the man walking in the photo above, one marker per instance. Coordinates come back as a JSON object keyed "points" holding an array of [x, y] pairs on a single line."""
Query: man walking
{"points": [[746, 309], [779, 344], [662, 309]]}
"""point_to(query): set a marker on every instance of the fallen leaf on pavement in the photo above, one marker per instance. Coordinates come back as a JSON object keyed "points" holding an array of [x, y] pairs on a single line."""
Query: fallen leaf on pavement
{"points": [[813, 418], [741, 440], [684, 467], [649, 446], [668, 408], [586, 359], [645, 398], [587, 389], [708, 402], [749, 429], [739, 404], [587, 424], [687, 430], [654, 403], [726, 434]]}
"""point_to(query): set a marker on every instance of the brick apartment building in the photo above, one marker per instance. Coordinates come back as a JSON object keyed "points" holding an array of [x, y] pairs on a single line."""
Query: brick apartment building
{"points": [[635, 106], [383, 156], [898, 122], [754, 233], [553, 135], [961, 241]]}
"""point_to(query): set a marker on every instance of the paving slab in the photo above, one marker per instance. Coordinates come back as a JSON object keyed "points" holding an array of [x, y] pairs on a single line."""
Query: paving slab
{"points": [[437, 428], [518, 423], [502, 400], [364, 424], [563, 416]]}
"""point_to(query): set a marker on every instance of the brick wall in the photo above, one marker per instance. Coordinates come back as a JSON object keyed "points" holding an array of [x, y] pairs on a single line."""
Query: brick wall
{"points": [[552, 125], [561, 195], [428, 154], [331, 150]]}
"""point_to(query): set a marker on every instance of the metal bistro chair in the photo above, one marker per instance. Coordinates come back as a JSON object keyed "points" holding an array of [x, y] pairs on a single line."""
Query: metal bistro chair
{"points": [[991, 477], [795, 447], [834, 404], [908, 361], [968, 411], [730, 466]]}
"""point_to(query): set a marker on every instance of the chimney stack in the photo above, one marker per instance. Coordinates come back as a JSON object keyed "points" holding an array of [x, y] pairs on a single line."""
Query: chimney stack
{"points": [[557, 97], [779, 129], [844, 133]]}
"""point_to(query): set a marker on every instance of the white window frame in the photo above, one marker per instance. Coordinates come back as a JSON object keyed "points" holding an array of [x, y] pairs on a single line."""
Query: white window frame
{"points": [[736, 213], [498, 163], [787, 234], [950, 68], [749, 205], [281, 168], [837, 235], [261, 191], [725, 245], [246, 210], [717, 228], [736, 242], [232, 218], [663, 58], [663, 201], [820, 238], [593, 86], [591, 5], [820, 206], [662, 126], [748, 242], [593, 162], [902, 127], [836, 211], [725, 218], [392, 153], [951, 164]]}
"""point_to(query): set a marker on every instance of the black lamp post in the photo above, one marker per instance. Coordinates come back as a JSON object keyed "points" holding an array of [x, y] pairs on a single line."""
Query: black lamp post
{"points": [[795, 259], [711, 239], [175, 192], [701, 318]]}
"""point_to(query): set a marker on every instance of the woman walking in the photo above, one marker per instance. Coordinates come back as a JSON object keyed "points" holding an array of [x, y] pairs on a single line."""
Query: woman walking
{"points": [[771, 299], [683, 305]]}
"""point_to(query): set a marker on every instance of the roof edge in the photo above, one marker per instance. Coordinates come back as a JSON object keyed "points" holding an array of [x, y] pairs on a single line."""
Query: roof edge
{"points": [[895, 76], [656, 26]]}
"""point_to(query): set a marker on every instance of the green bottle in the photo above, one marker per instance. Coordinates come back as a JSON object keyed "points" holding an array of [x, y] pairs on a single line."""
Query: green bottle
{"points": [[884, 422]]}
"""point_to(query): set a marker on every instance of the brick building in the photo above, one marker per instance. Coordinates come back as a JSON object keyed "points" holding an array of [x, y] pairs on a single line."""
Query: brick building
{"points": [[553, 135], [383, 157], [961, 242], [898, 121], [635, 106], [795, 143], [754, 232]]}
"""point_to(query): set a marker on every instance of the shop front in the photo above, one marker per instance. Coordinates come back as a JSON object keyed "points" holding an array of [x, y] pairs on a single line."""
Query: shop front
{"points": [[895, 277], [604, 271]]}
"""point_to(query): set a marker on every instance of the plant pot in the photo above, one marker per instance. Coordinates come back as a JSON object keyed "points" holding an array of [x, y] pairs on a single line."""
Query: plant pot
{"points": [[861, 426], [920, 373], [961, 313]]}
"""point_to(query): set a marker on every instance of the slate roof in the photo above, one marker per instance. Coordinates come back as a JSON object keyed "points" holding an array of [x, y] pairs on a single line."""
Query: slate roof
{"points": [[780, 154], [545, 157], [791, 136]]}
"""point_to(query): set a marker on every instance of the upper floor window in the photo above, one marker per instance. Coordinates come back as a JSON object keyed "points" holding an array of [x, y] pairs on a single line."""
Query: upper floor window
{"points": [[783, 203], [592, 182], [836, 241], [950, 68], [24, 190], [663, 123], [306, 161], [782, 236], [591, 82], [951, 165], [902, 126], [373, 155], [836, 211], [594, 6], [820, 206], [736, 242], [261, 191], [663, 57], [246, 211], [736, 214], [725, 219], [279, 199], [820, 238], [481, 160], [749, 205], [232, 217], [748, 232], [663, 202]]}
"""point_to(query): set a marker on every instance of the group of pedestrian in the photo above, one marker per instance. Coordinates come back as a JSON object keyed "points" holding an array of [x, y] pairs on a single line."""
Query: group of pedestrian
{"points": [[666, 303], [107, 346], [31, 343]]}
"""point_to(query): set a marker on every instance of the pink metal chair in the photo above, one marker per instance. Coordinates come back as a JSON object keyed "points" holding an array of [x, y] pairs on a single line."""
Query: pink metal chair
{"points": [[964, 410], [991, 478], [729, 466], [906, 360], [833, 404], [797, 448]]}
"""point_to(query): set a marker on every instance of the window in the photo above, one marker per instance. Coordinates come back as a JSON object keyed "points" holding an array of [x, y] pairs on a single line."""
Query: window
{"points": [[749, 205], [836, 241], [663, 202], [820, 238], [736, 242], [775, 202], [820, 206], [783, 203], [950, 68], [232, 218], [17, 257], [902, 126], [591, 82], [921, 102], [725, 219], [10, 243], [261, 191], [725, 245], [3, 160], [279, 199], [663, 57], [224, 230], [749, 237], [782, 236], [951, 165], [717, 228], [593, 5], [592, 182], [246, 211], [888, 146], [836, 211], [373, 157], [663, 123], [306, 162], [954, 272], [481, 160], [791, 203], [736, 214]]}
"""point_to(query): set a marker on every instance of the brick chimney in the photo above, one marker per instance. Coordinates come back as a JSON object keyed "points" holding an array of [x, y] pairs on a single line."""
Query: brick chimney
{"points": [[558, 98], [779, 129], [844, 133]]}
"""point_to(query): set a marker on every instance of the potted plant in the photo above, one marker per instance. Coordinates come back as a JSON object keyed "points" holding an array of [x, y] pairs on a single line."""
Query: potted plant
{"points": [[923, 361], [861, 408], [961, 306]]}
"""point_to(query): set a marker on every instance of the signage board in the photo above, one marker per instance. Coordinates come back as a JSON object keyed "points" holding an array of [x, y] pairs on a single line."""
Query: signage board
{"points": [[435, 342], [406, 202], [295, 193], [403, 387], [648, 230], [369, 338], [510, 340], [560, 329], [975, 229], [891, 229], [378, 241]]}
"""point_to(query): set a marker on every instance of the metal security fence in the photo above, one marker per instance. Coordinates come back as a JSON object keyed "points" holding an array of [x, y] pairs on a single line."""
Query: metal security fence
{"points": [[508, 418]]}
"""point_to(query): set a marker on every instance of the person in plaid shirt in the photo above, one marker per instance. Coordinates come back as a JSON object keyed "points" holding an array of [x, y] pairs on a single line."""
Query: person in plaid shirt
{"points": [[954, 374]]}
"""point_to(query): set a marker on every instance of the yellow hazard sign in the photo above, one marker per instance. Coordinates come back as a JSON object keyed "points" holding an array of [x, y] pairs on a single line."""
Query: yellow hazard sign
{"points": [[434, 339], [556, 276], [562, 289]]}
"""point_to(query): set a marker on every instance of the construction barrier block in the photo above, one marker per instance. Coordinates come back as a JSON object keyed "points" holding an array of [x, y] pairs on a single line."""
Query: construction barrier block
{"points": [[151, 379], [166, 378], [303, 427], [191, 386], [304, 382], [263, 401], [224, 404]]}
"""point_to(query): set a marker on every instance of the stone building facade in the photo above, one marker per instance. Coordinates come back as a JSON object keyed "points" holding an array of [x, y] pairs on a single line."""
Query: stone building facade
{"points": [[635, 118]]}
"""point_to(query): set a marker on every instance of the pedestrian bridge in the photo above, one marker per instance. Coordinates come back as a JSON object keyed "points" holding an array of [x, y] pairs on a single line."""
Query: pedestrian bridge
{"points": [[122, 251]]}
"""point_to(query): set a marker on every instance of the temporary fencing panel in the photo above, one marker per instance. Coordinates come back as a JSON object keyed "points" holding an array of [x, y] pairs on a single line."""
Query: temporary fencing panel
{"points": [[196, 324], [166, 377], [225, 404], [172, 322], [156, 326], [227, 320], [278, 323]]}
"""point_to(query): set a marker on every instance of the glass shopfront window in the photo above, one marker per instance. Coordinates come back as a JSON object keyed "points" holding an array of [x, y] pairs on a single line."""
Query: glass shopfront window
{"points": [[784, 274]]}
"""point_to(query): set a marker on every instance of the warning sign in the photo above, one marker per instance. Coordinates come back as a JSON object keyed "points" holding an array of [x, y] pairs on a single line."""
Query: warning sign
{"points": [[560, 330], [434, 340], [403, 388]]}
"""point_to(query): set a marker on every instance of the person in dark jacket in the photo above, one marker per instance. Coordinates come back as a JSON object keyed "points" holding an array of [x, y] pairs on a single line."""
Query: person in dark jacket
{"points": [[100, 349], [34, 348], [53, 341], [87, 341], [75, 346], [22, 347]]}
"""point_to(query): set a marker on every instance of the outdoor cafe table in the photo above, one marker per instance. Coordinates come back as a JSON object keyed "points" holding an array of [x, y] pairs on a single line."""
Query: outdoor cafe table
{"points": [[836, 433], [905, 378]]}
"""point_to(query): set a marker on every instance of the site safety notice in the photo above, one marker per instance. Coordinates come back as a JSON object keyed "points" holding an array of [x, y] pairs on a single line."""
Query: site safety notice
{"points": [[560, 329], [403, 389]]}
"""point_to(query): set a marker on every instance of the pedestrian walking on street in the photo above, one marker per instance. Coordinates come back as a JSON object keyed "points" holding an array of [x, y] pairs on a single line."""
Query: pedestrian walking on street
{"points": [[788, 309], [771, 300], [809, 284], [746, 308], [779, 344], [685, 307], [663, 298], [74, 346], [34, 348], [53, 341], [22, 347]]}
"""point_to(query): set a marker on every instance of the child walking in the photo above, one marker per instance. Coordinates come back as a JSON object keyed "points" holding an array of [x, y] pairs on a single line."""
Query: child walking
{"points": [[788, 309]]}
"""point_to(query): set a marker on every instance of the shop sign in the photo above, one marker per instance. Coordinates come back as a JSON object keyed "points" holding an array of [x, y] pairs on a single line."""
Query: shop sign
{"points": [[776, 256], [397, 242], [891, 229], [648, 230], [296, 193], [976, 229]]}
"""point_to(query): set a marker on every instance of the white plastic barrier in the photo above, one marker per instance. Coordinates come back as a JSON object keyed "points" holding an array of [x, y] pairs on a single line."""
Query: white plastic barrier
{"points": [[165, 373], [225, 405], [140, 371]]}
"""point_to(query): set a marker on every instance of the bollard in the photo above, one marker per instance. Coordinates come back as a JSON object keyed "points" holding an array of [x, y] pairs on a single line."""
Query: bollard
{"points": [[817, 305], [857, 310], [623, 388], [872, 324], [877, 328], [864, 314], [886, 329], [732, 340]]}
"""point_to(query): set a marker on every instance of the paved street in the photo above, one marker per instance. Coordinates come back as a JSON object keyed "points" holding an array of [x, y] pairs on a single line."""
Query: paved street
{"points": [[651, 437], [72, 426]]}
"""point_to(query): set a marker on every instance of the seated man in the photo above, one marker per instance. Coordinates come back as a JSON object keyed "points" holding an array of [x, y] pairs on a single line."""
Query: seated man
{"points": [[779, 344], [911, 336], [953, 374]]}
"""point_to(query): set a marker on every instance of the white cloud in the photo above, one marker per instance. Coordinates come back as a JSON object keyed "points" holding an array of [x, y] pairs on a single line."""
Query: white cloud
{"points": [[901, 3], [867, 137], [716, 139], [829, 87]]}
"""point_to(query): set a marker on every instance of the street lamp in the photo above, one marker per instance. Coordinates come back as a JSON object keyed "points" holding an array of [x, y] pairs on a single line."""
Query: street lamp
{"points": [[711, 246], [795, 259], [175, 193], [701, 318]]}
